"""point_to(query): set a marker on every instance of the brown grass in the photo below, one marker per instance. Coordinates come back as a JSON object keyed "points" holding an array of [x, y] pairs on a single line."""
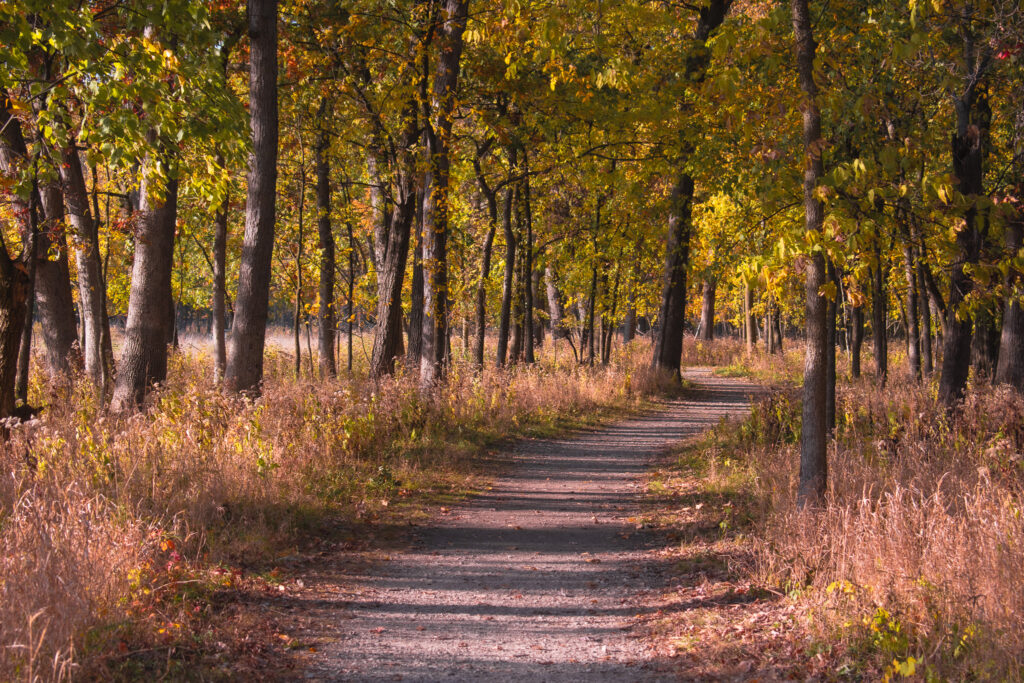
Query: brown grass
{"points": [[917, 554], [114, 530]]}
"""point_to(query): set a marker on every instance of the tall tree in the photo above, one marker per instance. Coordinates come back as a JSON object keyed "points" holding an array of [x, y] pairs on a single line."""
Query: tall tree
{"points": [[813, 433], [248, 332], [454, 14]]}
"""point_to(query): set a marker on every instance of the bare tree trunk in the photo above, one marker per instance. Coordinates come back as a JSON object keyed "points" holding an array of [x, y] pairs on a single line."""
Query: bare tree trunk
{"points": [[813, 460], [248, 332], [150, 304], [326, 316]]}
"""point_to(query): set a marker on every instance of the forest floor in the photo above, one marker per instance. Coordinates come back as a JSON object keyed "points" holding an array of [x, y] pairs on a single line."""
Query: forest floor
{"points": [[551, 573]]}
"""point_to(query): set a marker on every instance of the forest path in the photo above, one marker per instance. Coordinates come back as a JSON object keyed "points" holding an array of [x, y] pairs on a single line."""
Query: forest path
{"points": [[539, 579]]}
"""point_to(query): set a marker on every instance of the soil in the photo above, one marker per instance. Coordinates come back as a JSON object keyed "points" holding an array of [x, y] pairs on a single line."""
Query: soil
{"points": [[546, 576]]}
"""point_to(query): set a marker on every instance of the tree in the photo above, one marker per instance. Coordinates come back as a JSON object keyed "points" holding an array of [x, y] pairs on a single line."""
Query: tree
{"points": [[248, 335], [813, 433]]}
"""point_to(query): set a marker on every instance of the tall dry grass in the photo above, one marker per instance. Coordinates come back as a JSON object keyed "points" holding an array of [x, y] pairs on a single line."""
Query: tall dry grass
{"points": [[913, 564], [99, 512]]}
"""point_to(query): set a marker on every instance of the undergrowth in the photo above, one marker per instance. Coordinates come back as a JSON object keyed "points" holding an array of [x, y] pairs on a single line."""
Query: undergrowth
{"points": [[120, 535], [912, 565]]}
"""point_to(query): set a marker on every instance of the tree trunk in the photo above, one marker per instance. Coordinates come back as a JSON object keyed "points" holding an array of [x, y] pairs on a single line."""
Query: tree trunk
{"points": [[433, 366], [220, 248], [248, 331], [14, 293], [297, 310], [879, 316], [556, 312], [91, 295], [52, 282], [813, 460], [150, 305], [1010, 368], [967, 153], [414, 353], [856, 339], [926, 323], [528, 335], [668, 349], [749, 324], [831, 313], [326, 316], [509, 277], [913, 331], [351, 290], [591, 306], [485, 265], [707, 309]]}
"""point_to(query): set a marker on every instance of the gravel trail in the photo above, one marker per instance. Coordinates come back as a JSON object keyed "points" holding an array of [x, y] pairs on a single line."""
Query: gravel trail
{"points": [[539, 579]]}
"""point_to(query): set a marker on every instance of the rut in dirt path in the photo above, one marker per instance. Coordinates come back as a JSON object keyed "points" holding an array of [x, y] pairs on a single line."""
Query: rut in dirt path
{"points": [[540, 579]]}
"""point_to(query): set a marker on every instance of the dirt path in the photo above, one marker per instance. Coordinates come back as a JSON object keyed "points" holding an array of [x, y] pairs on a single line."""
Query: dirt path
{"points": [[540, 579]]}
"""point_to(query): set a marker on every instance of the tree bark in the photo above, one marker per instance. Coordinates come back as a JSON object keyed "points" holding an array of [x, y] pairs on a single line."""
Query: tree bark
{"points": [[509, 277], [433, 366], [556, 311], [14, 293], [414, 352], [857, 339], [490, 196], [248, 332], [913, 331], [707, 309], [749, 324], [150, 305], [813, 460], [326, 314], [52, 281], [879, 316], [91, 291], [528, 334], [926, 323], [1010, 369], [668, 349], [831, 313], [220, 250], [967, 155]]}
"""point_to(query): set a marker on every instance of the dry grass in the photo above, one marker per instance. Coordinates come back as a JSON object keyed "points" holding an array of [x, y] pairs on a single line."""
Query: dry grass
{"points": [[915, 559], [114, 530]]}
